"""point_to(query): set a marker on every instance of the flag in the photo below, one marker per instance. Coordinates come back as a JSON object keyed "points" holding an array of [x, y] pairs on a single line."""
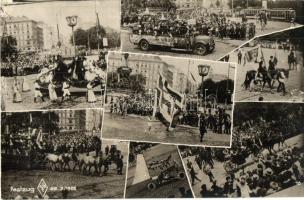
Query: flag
{"points": [[98, 27], [31, 118], [261, 53], [192, 77], [170, 102], [39, 139], [252, 54]]}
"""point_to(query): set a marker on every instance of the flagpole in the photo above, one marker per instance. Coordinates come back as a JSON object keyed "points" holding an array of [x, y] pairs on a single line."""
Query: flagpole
{"points": [[187, 75]]}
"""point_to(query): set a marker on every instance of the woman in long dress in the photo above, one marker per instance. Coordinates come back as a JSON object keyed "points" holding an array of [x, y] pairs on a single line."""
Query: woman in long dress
{"points": [[52, 92], [91, 95], [25, 85], [16, 90]]}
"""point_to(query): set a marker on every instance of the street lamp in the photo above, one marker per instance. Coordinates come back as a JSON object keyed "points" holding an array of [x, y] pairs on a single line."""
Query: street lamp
{"points": [[203, 71], [205, 98], [72, 21]]}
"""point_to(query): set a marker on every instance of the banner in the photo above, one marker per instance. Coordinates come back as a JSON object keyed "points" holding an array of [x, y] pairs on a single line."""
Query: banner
{"points": [[170, 101], [252, 54], [105, 42]]}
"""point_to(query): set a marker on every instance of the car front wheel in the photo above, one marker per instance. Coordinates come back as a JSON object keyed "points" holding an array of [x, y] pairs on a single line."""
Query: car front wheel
{"points": [[200, 49], [144, 45], [151, 186]]}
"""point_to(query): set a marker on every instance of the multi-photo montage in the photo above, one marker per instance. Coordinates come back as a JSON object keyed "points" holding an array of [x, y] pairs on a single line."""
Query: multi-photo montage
{"points": [[152, 99]]}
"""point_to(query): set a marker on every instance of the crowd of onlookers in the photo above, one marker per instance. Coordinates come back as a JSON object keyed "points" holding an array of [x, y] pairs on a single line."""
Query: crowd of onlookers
{"points": [[22, 65], [176, 25], [259, 162], [25, 142], [218, 121], [138, 104]]}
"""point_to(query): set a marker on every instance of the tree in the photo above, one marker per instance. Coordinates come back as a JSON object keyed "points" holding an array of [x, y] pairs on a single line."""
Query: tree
{"points": [[82, 37], [217, 3], [94, 40], [220, 89], [8, 47]]}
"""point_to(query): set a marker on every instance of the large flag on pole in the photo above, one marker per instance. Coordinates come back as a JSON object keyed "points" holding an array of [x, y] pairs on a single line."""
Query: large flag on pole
{"points": [[170, 101], [252, 54], [98, 27]]}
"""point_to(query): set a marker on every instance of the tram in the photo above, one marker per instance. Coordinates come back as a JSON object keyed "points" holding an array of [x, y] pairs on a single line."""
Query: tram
{"points": [[283, 14]]}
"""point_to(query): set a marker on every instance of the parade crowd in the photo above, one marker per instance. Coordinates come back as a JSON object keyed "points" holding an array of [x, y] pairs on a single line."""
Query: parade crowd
{"points": [[253, 166], [138, 104], [213, 24], [21, 65], [218, 121], [33, 141]]}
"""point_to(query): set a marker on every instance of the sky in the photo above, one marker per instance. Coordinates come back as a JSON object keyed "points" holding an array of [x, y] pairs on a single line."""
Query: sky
{"points": [[217, 67], [53, 12]]}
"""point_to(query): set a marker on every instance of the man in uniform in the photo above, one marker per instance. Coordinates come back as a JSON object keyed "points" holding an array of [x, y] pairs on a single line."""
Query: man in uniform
{"points": [[271, 67], [202, 126]]}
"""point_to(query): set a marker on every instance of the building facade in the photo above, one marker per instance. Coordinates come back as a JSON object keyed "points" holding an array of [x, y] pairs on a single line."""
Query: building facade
{"points": [[184, 4], [49, 36], [179, 81], [28, 34], [93, 120], [148, 66], [72, 120]]}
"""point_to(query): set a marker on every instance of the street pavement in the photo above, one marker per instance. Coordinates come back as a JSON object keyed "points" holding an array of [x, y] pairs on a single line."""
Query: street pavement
{"points": [[136, 128], [79, 99], [293, 83], [219, 171], [222, 46], [140, 190]]}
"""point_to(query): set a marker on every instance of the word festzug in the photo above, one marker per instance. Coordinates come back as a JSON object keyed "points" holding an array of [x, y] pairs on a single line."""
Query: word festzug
{"points": [[22, 189]]}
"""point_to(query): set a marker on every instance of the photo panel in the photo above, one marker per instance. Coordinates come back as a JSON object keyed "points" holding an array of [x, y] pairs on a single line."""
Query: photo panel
{"points": [[265, 159], [169, 100], [156, 171], [59, 154], [271, 67], [53, 53], [203, 28]]}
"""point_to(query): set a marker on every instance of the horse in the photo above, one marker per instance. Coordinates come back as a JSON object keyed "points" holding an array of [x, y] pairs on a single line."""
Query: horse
{"points": [[90, 161], [267, 77], [77, 159], [66, 158], [53, 159]]}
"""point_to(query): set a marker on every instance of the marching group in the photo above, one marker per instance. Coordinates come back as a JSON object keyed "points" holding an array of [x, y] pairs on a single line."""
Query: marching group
{"points": [[216, 120]]}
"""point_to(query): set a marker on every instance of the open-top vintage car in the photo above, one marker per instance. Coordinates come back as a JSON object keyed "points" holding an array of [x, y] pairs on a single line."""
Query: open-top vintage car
{"points": [[197, 44], [170, 173]]}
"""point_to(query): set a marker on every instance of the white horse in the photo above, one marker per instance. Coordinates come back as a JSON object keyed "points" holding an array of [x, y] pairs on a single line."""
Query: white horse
{"points": [[92, 161], [53, 159]]}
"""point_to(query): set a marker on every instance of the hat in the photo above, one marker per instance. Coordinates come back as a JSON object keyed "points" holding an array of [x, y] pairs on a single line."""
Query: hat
{"points": [[269, 171], [255, 176]]}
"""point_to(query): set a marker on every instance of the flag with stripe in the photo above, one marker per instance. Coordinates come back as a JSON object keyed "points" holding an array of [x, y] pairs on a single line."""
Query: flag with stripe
{"points": [[170, 101]]}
